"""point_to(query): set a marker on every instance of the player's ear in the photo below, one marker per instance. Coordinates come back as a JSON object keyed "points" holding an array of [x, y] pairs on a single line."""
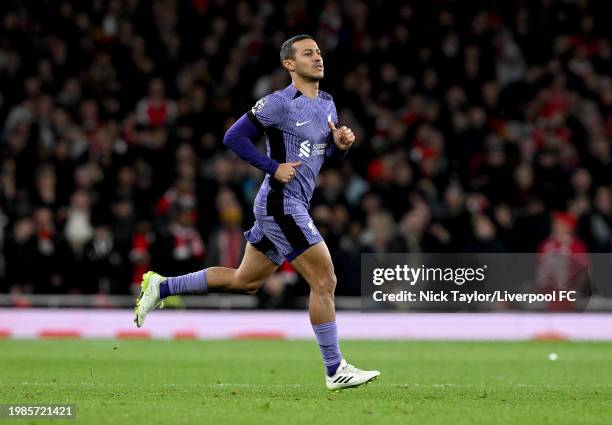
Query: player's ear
{"points": [[289, 65]]}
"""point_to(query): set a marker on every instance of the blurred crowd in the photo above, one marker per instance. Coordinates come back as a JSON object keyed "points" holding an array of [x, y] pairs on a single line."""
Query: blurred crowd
{"points": [[482, 126]]}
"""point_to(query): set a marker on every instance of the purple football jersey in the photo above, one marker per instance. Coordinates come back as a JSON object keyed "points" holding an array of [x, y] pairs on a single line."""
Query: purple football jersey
{"points": [[296, 130]]}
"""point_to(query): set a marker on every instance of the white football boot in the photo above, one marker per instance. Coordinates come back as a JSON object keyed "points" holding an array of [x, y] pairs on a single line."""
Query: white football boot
{"points": [[149, 296], [347, 376]]}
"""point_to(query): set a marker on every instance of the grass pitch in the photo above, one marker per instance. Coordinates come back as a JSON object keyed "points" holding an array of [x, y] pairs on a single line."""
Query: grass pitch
{"points": [[281, 382]]}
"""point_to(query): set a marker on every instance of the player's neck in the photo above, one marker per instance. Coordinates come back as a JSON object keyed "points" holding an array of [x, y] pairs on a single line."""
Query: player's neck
{"points": [[307, 88]]}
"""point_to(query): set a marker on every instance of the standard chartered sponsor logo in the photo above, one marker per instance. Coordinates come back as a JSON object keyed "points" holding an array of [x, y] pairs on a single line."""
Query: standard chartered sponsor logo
{"points": [[305, 149]]}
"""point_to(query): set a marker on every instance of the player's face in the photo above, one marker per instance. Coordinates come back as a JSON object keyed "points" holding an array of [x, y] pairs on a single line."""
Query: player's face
{"points": [[308, 61]]}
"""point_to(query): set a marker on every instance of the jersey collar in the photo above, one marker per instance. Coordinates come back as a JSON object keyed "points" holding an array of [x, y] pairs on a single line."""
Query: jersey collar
{"points": [[296, 93]]}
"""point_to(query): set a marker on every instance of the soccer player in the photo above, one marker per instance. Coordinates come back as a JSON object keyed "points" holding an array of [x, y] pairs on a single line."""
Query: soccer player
{"points": [[300, 123]]}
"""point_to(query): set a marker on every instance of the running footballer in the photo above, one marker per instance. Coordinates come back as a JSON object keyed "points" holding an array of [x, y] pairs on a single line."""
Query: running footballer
{"points": [[300, 124]]}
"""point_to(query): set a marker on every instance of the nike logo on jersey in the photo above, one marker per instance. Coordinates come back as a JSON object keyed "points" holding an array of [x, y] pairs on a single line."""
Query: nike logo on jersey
{"points": [[299, 124]]}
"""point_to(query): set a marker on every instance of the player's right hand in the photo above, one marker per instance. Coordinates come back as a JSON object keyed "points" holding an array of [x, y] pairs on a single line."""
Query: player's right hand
{"points": [[287, 171]]}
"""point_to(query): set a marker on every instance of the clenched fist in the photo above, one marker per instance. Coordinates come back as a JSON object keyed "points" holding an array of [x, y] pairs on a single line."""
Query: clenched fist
{"points": [[343, 136]]}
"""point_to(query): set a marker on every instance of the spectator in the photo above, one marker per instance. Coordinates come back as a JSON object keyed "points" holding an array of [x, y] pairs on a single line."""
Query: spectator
{"points": [[155, 110]]}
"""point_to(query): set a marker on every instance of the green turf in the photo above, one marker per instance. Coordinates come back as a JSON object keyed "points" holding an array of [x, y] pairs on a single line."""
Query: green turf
{"points": [[281, 382]]}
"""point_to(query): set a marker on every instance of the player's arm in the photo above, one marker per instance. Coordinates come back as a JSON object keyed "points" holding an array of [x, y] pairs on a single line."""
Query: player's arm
{"points": [[241, 138]]}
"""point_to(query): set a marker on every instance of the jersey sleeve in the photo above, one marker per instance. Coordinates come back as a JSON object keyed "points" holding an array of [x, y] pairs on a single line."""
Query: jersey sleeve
{"points": [[241, 138], [269, 111]]}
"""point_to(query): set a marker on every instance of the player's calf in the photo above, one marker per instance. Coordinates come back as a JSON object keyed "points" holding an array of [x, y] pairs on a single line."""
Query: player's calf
{"points": [[221, 279], [239, 283]]}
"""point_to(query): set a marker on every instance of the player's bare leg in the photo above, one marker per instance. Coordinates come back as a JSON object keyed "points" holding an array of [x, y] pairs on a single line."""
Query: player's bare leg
{"points": [[315, 265], [246, 279], [254, 269]]}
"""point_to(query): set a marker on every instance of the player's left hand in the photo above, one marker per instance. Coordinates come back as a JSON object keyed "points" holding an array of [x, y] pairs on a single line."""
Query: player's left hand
{"points": [[343, 136]]}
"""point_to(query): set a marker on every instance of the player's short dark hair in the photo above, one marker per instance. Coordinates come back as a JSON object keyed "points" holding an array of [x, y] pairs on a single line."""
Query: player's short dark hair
{"points": [[286, 50]]}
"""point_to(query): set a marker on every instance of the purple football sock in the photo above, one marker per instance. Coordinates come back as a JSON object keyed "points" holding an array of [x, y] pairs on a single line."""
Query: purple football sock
{"points": [[186, 284], [327, 337]]}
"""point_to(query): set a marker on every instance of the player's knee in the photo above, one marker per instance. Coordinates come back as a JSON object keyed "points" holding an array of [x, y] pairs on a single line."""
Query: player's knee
{"points": [[325, 285]]}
